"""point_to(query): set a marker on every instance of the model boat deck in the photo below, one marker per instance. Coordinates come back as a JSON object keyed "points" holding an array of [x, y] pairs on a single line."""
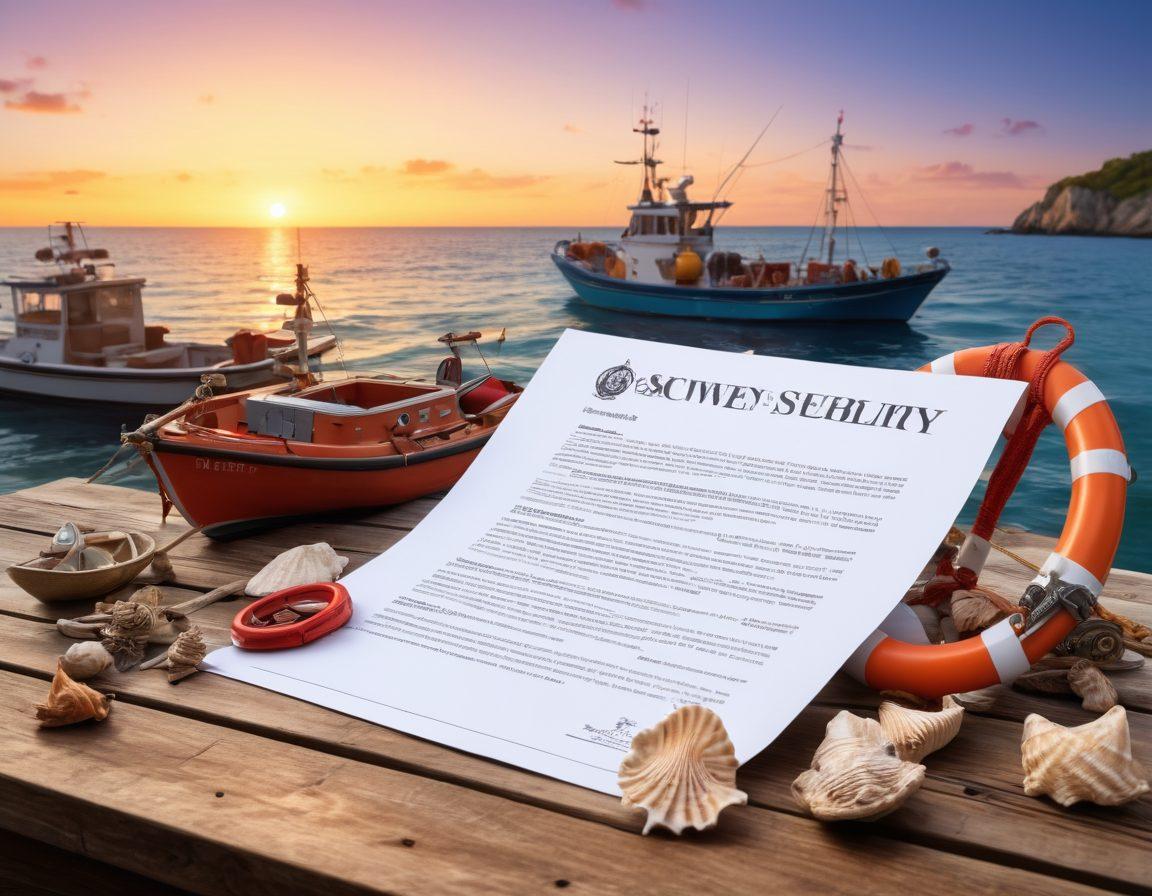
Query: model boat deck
{"points": [[214, 786]]}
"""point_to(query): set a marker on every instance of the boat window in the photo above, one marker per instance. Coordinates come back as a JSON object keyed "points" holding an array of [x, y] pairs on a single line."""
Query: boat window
{"points": [[39, 308], [634, 225], [646, 225], [115, 305], [673, 226], [661, 227]]}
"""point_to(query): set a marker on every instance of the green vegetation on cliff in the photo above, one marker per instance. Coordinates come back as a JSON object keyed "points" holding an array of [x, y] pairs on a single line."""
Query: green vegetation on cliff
{"points": [[1120, 177]]}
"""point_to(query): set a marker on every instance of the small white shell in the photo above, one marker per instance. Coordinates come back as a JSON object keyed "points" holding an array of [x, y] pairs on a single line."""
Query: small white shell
{"points": [[301, 565], [1091, 763], [917, 732], [682, 771], [1092, 687], [856, 773], [981, 700], [85, 660]]}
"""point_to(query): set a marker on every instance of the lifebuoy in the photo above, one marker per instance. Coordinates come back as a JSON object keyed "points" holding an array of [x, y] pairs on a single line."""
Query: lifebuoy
{"points": [[891, 658]]}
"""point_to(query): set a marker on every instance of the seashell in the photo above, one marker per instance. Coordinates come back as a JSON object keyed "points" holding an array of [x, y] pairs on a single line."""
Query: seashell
{"points": [[301, 565], [149, 596], [85, 660], [1046, 681], [70, 702], [1091, 763], [1093, 687], [917, 732], [929, 618], [979, 701], [185, 654], [974, 611], [855, 773], [683, 771]]}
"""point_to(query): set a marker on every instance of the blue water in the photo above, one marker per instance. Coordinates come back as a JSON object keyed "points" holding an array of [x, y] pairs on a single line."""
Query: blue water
{"points": [[391, 292]]}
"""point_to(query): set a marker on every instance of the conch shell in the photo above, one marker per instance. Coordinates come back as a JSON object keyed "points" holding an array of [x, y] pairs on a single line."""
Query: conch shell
{"points": [[1092, 687], [301, 565], [1091, 763], [70, 702], [917, 732], [855, 773], [682, 771], [85, 660]]}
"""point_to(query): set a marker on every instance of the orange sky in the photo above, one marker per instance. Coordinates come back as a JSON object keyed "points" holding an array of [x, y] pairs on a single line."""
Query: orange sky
{"points": [[511, 113]]}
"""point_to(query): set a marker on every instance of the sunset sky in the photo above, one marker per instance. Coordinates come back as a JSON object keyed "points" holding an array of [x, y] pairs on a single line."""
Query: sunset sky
{"points": [[510, 113]]}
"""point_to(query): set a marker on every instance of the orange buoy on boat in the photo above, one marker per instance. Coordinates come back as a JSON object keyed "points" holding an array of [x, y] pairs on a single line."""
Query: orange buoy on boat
{"points": [[688, 267], [1064, 592]]}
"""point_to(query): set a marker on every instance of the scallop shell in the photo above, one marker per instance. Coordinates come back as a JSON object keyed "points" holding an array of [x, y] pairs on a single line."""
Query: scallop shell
{"points": [[70, 702], [974, 611], [85, 660], [856, 773], [301, 565], [1093, 687], [918, 732], [682, 771], [1091, 763]]}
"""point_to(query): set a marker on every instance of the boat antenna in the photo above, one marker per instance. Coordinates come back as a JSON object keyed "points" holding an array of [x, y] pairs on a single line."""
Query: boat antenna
{"points": [[648, 159], [743, 159], [684, 155]]}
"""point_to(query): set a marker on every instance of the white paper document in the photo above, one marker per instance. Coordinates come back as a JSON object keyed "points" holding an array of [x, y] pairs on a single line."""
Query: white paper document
{"points": [[651, 526]]}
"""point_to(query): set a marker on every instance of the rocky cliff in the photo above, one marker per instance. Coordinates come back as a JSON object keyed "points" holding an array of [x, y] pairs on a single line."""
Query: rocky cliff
{"points": [[1116, 200]]}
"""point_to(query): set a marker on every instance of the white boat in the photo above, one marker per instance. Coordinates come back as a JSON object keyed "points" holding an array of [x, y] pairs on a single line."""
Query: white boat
{"points": [[80, 334]]}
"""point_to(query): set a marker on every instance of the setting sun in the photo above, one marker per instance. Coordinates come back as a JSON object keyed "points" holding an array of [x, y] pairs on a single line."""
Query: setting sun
{"points": [[277, 209]]}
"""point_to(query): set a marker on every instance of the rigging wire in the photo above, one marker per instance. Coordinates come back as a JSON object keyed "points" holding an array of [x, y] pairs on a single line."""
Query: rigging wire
{"points": [[867, 205], [790, 156], [812, 232], [739, 165]]}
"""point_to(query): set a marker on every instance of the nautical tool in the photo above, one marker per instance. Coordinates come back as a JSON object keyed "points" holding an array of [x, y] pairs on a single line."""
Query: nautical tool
{"points": [[1064, 592], [292, 617]]}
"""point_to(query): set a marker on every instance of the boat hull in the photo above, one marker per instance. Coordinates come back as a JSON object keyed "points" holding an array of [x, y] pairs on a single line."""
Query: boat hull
{"points": [[235, 492], [895, 299], [154, 388]]}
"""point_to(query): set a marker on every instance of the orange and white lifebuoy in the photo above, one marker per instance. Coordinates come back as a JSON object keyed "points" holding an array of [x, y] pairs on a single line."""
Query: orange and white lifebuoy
{"points": [[899, 657]]}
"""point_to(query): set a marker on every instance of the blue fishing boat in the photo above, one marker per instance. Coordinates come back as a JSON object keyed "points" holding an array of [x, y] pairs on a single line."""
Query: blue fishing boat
{"points": [[665, 262]]}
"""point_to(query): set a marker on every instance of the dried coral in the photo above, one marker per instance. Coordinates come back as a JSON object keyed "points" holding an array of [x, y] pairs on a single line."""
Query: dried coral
{"points": [[183, 656]]}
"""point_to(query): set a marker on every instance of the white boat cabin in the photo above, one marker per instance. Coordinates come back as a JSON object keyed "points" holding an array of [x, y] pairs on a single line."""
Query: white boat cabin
{"points": [[94, 323]]}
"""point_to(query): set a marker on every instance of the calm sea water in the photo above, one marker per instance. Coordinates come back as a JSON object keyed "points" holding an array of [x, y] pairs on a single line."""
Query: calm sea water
{"points": [[391, 292]]}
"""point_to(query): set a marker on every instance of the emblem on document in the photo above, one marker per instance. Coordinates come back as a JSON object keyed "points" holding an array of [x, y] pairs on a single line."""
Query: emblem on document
{"points": [[615, 381]]}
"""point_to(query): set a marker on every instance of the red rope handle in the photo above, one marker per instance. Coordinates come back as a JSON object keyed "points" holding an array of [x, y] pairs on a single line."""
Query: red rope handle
{"points": [[1004, 363]]}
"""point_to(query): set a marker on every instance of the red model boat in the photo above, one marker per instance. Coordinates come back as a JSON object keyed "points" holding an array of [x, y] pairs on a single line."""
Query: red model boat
{"points": [[252, 459]]}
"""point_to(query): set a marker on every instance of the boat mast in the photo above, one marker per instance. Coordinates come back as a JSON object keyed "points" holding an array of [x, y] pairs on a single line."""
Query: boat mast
{"points": [[648, 162], [835, 195]]}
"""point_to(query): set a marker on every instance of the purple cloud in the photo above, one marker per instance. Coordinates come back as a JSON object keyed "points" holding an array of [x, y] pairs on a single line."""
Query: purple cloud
{"points": [[36, 62], [961, 130], [962, 172], [631, 5], [1016, 127], [43, 103]]}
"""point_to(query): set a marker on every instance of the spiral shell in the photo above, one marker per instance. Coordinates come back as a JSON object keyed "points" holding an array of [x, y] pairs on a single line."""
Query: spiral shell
{"points": [[918, 732], [185, 654], [70, 702], [1092, 687], [682, 771], [855, 773], [1091, 763]]}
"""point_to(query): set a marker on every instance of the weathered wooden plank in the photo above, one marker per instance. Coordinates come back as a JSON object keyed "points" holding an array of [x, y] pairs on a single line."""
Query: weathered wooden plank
{"points": [[222, 811], [973, 792], [31, 868]]}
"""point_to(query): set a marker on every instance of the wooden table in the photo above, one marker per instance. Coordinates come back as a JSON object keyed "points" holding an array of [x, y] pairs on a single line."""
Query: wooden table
{"points": [[213, 786]]}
